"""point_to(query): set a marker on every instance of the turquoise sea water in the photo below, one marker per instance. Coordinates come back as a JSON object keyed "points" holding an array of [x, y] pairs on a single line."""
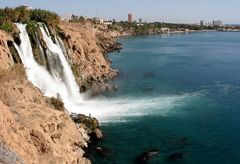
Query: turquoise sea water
{"points": [[177, 86]]}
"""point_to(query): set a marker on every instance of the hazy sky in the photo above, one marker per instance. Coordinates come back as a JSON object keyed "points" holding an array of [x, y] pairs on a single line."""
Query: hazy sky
{"points": [[188, 11]]}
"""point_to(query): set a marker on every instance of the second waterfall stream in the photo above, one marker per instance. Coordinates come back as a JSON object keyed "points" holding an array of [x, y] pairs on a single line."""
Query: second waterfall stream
{"points": [[51, 84]]}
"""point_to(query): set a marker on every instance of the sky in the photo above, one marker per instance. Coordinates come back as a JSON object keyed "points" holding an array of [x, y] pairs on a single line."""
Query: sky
{"points": [[175, 11]]}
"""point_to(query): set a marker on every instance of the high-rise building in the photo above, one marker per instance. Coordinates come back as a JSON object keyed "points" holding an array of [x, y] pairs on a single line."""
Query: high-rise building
{"points": [[140, 20], [217, 23], [130, 17], [201, 22]]}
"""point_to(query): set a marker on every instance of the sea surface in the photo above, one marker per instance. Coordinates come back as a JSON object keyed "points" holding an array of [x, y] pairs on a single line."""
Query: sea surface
{"points": [[176, 93]]}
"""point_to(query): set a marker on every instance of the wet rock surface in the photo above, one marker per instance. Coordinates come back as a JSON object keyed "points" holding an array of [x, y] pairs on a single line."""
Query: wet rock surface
{"points": [[90, 124], [147, 155], [103, 151]]}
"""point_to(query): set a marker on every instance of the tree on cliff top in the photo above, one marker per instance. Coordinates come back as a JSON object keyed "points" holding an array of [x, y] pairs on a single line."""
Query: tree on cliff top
{"points": [[21, 14]]}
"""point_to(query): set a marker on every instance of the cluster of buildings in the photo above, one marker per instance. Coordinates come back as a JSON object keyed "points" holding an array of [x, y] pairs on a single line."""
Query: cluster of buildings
{"points": [[130, 20], [69, 17], [214, 23], [101, 20], [217, 23]]}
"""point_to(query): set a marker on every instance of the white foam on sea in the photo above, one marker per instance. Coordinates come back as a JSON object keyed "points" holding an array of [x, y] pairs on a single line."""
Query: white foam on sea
{"points": [[65, 87], [123, 109]]}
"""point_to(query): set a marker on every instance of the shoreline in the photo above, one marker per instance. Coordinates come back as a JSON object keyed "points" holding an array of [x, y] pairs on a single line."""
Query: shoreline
{"points": [[88, 51], [169, 33]]}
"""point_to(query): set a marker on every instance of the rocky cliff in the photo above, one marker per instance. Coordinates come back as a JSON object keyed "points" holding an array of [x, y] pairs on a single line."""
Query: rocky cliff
{"points": [[87, 47], [32, 129], [37, 129], [6, 59]]}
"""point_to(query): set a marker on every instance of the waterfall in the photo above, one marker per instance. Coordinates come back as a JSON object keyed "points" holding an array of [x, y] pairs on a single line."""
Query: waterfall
{"points": [[60, 81], [68, 76], [51, 84]]}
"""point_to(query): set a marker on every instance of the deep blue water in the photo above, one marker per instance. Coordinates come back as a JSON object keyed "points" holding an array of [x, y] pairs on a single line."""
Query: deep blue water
{"points": [[195, 79]]}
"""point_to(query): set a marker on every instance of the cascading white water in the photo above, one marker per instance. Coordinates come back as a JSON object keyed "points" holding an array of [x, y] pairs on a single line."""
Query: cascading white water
{"points": [[69, 79], [52, 84], [49, 84]]}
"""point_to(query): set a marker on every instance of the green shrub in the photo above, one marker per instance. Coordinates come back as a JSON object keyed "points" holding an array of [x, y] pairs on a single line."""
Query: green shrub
{"points": [[23, 15], [8, 27], [47, 17]]}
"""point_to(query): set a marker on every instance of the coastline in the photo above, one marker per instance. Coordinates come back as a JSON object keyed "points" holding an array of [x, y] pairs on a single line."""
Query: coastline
{"points": [[87, 48]]}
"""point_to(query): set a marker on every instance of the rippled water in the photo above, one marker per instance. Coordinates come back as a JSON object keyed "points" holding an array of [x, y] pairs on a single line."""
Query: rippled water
{"points": [[173, 87]]}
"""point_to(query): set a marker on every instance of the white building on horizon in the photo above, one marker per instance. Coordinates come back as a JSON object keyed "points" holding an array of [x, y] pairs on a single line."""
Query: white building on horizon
{"points": [[27, 7], [67, 17]]}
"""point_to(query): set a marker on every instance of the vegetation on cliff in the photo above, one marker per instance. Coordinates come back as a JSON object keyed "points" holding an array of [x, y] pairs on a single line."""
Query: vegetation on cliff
{"points": [[9, 16], [24, 15]]}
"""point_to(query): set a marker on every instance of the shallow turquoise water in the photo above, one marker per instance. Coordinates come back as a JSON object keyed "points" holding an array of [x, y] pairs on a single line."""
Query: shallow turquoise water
{"points": [[185, 86]]}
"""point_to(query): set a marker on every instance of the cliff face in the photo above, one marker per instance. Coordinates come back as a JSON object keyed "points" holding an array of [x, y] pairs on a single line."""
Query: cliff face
{"points": [[87, 48], [5, 55], [29, 126], [33, 130]]}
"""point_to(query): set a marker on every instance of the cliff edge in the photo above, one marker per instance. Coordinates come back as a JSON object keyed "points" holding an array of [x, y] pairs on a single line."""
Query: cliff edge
{"points": [[37, 129], [88, 45]]}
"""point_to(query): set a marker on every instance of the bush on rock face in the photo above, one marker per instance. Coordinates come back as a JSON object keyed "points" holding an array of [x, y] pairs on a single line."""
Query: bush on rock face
{"points": [[8, 27], [56, 103]]}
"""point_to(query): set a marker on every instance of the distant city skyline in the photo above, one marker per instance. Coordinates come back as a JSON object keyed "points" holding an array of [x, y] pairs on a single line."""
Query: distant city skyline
{"points": [[175, 11]]}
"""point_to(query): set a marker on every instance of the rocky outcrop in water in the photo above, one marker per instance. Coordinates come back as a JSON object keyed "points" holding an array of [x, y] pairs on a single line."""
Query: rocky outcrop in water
{"points": [[146, 156], [90, 124]]}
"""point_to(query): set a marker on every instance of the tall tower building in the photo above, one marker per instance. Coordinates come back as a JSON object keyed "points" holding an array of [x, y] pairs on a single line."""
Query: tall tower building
{"points": [[130, 17]]}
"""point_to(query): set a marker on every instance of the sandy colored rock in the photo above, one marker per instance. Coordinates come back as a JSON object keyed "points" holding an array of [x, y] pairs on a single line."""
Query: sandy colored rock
{"points": [[5, 55], [86, 52], [98, 133], [33, 130], [29, 126]]}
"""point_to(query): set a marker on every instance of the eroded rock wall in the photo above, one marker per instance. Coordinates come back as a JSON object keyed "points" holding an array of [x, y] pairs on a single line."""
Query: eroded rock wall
{"points": [[33, 130], [5, 55], [87, 47]]}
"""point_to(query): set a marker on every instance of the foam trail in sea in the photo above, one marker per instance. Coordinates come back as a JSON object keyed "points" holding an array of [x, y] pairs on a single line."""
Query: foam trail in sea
{"points": [[124, 109]]}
